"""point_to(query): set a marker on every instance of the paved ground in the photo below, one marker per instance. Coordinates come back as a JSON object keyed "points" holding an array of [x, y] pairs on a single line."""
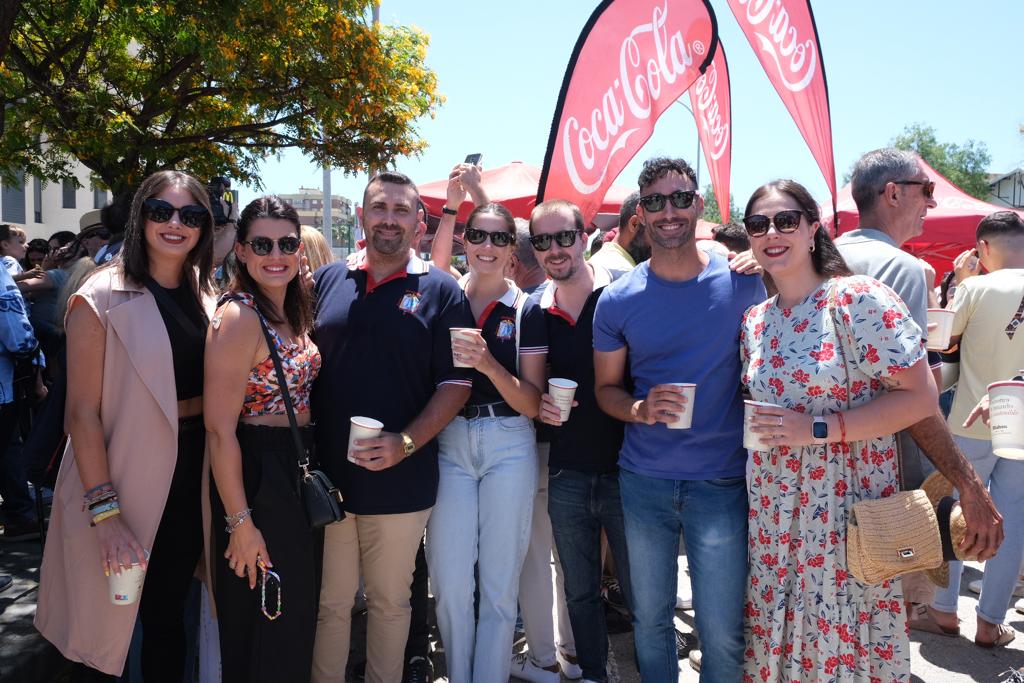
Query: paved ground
{"points": [[26, 657]]}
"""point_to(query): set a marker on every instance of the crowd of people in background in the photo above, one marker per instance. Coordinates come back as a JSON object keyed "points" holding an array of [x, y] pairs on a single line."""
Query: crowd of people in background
{"points": [[177, 353]]}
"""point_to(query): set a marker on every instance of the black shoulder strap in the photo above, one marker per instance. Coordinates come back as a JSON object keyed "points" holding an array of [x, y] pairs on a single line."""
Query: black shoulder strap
{"points": [[172, 307], [282, 383]]}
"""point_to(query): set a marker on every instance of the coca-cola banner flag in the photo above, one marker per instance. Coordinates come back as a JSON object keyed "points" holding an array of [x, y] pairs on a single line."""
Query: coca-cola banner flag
{"points": [[633, 59], [711, 102], [785, 39]]}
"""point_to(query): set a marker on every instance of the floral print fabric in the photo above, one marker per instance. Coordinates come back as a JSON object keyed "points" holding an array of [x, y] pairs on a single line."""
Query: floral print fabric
{"points": [[300, 362], [806, 617]]}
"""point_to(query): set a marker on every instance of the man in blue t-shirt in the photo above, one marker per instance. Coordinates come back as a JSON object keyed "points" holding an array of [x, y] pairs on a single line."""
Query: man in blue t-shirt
{"points": [[676, 318]]}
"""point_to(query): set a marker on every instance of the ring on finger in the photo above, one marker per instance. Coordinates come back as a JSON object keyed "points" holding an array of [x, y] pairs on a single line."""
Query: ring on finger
{"points": [[780, 420]]}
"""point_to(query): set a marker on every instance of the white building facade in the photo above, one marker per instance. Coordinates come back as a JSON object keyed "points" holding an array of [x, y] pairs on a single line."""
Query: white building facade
{"points": [[43, 208]]}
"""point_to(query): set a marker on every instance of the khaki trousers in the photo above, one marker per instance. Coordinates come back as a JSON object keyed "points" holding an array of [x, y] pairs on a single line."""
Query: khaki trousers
{"points": [[385, 547]]}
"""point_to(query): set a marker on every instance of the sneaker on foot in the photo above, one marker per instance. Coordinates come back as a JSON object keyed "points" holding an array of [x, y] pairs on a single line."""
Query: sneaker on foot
{"points": [[1018, 590], [418, 670], [611, 593], [569, 664], [526, 669], [20, 530], [685, 643], [695, 660], [6, 582]]}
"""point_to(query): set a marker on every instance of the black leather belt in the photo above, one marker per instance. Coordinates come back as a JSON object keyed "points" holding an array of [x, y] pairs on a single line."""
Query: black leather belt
{"points": [[499, 409]]}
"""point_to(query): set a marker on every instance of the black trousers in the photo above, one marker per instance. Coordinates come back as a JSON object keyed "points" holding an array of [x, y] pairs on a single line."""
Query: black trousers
{"points": [[252, 647], [172, 561]]}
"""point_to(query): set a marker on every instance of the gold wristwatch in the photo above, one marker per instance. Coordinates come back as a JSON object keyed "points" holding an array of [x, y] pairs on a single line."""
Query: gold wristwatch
{"points": [[408, 445]]}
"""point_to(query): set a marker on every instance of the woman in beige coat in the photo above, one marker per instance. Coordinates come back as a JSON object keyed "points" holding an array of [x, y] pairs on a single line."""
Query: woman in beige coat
{"points": [[136, 330]]}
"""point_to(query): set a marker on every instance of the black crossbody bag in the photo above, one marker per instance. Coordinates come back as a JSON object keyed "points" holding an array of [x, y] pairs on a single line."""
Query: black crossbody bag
{"points": [[321, 499]]}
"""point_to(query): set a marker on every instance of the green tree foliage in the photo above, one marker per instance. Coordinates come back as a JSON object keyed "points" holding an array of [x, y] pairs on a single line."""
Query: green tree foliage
{"points": [[213, 87], [966, 165], [712, 213]]}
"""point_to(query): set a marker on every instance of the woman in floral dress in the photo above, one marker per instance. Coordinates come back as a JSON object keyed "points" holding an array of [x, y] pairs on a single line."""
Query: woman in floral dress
{"points": [[838, 395]]}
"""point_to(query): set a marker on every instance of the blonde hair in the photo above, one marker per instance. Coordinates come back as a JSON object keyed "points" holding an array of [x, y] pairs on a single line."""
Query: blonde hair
{"points": [[317, 251]]}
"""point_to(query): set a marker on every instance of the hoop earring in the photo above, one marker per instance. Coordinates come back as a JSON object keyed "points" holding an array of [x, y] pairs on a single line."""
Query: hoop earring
{"points": [[811, 249]]}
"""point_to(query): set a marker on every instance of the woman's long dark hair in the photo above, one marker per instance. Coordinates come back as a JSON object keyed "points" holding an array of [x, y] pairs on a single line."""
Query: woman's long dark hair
{"points": [[826, 259], [197, 272], [298, 302], [495, 209]]}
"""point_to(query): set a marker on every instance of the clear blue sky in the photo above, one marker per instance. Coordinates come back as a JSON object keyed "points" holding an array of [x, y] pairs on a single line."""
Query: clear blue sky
{"points": [[954, 65]]}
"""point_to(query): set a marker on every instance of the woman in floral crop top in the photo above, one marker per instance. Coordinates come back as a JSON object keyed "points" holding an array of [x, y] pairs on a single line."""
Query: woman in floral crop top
{"points": [[265, 560]]}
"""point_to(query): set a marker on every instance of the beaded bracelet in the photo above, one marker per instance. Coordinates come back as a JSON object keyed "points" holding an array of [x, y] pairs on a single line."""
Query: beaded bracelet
{"points": [[105, 515], [234, 521], [99, 487], [102, 498], [105, 507]]}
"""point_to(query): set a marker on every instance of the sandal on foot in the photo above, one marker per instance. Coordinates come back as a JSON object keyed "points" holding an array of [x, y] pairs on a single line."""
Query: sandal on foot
{"points": [[1004, 636], [922, 619]]}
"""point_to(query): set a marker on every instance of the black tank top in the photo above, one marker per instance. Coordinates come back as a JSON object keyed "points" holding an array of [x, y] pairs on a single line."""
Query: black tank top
{"points": [[187, 344]]}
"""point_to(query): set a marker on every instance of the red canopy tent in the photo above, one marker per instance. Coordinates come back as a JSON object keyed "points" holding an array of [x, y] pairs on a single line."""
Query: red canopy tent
{"points": [[515, 186], [948, 228]]}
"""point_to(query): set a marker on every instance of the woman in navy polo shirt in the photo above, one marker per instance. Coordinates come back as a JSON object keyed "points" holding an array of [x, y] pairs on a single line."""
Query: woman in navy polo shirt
{"points": [[488, 460]]}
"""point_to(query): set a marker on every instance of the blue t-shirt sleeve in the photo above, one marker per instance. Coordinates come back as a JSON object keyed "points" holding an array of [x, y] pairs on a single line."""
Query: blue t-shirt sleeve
{"points": [[454, 311], [533, 338], [608, 330]]}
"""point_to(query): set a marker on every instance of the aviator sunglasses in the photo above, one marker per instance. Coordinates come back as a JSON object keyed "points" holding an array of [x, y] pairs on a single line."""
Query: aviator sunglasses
{"points": [[190, 215], [564, 238], [927, 186], [261, 246], [681, 199], [498, 239], [785, 222]]}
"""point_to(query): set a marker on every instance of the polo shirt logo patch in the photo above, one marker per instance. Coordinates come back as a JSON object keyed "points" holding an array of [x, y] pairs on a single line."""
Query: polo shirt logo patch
{"points": [[506, 329], [409, 302]]}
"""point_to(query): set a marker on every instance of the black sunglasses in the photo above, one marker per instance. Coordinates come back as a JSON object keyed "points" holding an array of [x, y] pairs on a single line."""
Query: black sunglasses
{"points": [[927, 186], [190, 215], [261, 246], [784, 221], [681, 199], [565, 238], [498, 239]]}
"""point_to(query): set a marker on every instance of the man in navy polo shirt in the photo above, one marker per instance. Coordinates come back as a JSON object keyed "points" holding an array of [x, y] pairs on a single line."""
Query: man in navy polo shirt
{"points": [[676, 318], [583, 479], [383, 330]]}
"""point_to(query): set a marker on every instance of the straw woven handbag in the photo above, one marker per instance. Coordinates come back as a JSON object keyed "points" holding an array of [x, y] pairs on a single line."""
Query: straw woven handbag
{"points": [[889, 536]]}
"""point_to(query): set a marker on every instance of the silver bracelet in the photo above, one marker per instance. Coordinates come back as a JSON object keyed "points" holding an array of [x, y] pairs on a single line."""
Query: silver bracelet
{"points": [[234, 521]]}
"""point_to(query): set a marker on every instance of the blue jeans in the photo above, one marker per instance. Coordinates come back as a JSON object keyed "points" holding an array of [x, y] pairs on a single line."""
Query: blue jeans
{"points": [[712, 516], [1005, 479], [482, 517], [580, 504]]}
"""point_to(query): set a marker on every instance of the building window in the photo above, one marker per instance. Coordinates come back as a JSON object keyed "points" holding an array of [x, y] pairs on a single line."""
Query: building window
{"points": [[13, 198], [68, 188], [37, 199], [99, 198]]}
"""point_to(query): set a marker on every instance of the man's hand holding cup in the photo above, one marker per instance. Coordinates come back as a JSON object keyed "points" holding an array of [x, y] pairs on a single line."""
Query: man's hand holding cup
{"points": [[664, 403]]}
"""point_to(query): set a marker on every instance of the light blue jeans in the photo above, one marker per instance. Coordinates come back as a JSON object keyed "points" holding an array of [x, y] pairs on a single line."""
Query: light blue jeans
{"points": [[482, 517], [1005, 479]]}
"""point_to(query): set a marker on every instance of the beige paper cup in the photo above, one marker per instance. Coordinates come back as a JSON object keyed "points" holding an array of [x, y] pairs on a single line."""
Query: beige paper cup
{"points": [[563, 391], [362, 428], [125, 588], [465, 334], [685, 420], [752, 440], [1006, 418], [938, 340]]}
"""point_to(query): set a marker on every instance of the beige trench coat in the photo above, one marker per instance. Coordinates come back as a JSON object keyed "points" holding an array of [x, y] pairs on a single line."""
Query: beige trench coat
{"points": [[140, 423]]}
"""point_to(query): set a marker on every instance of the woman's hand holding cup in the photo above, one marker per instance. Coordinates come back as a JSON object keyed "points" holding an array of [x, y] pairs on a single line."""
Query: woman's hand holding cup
{"points": [[118, 546]]}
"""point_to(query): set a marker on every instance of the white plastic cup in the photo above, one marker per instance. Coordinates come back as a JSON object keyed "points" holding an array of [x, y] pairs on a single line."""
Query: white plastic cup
{"points": [[938, 339], [465, 334], [362, 428], [125, 588], [752, 440], [685, 419], [563, 391], [1006, 418]]}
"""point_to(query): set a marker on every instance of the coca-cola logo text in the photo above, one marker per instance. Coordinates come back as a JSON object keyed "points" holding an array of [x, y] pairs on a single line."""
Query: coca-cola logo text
{"points": [[628, 100], [782, 43], [716, 130]]}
